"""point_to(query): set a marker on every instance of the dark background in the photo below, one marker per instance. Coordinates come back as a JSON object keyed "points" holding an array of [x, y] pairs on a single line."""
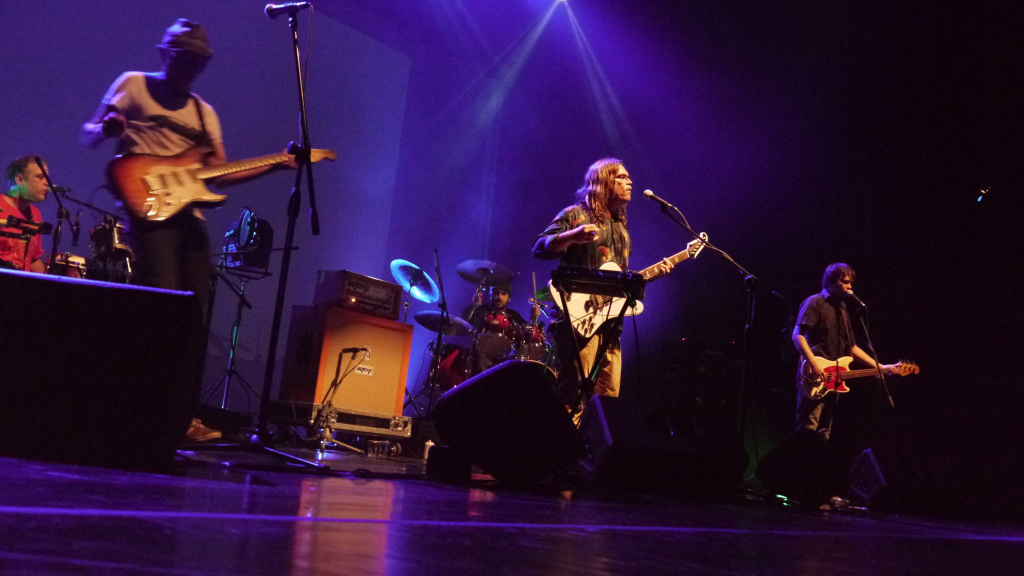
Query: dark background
{"points": [[794, 134]]}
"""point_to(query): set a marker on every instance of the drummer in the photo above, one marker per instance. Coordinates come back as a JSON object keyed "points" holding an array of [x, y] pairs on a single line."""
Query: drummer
{"points": [[26, 185], [490, 317], [490, 305]]}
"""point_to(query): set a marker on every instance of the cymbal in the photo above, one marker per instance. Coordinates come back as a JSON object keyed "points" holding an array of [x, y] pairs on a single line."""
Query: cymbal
{"points": [[544, 294], [431, 320], [484, 271], [415, 281]]}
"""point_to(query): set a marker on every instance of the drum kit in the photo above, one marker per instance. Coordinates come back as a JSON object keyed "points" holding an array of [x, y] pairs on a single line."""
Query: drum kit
{"points": [[112, 256], [478, 343]]}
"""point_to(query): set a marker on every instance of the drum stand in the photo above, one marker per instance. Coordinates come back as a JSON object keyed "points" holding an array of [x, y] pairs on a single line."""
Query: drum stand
{"points": [[230, 372]]}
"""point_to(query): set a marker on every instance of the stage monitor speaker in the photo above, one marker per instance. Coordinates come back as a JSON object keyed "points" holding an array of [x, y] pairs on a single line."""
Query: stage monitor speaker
{"points": [[866, 479], [97, 373], [374, 385], [511, 423], [635, 447]]}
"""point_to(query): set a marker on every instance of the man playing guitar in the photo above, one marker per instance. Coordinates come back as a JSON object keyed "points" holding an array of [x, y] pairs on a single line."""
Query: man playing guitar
{"points": [[157, 114], [823, 335], [590, 233]]}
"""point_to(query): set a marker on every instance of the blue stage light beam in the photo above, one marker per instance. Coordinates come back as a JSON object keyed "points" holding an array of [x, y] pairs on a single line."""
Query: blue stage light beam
{"points": [[614, 121]]}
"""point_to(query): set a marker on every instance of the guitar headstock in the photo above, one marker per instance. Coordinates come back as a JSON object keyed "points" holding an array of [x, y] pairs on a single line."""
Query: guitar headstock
{"points": [[693, 247], [905, 368], [318, 154]]}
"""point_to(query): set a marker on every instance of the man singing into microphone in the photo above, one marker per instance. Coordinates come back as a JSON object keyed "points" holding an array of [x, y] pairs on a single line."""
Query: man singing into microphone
{"points": [[26, 184], [590, 233], [823, 329]]}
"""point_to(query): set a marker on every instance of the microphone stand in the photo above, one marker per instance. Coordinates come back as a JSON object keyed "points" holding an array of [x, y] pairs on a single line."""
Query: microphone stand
{"points": [[751, 282], [862, 317], [62, 213], [301, 153]]}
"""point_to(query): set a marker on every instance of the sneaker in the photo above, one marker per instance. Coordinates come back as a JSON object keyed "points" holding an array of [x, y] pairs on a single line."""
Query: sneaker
{"points": [[199, 432]]}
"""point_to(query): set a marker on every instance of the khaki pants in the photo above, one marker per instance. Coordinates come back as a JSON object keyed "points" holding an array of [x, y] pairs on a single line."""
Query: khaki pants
{"points": [[609, 373]]}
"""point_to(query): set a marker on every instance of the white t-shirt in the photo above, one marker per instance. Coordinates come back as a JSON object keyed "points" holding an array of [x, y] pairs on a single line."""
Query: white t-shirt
{"points": [[147, 131]]}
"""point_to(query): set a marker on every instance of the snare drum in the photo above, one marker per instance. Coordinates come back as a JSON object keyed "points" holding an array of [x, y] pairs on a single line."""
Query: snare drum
{"points": [[531, 344], [67, 264]]}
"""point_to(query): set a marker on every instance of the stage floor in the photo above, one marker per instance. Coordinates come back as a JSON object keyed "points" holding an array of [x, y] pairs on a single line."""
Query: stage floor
{"points": [[381, 516]]}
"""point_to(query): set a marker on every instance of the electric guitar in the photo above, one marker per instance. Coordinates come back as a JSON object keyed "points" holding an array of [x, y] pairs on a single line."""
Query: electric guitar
{"points": [[158, 187], [588, 312], [838, 371]]}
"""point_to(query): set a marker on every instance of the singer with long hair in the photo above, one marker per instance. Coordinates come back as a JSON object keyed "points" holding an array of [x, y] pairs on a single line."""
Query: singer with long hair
{"points": [[590, 233]]}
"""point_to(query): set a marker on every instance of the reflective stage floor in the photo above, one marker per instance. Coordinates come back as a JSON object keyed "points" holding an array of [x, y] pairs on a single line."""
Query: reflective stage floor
{"points": [[381, 516]]}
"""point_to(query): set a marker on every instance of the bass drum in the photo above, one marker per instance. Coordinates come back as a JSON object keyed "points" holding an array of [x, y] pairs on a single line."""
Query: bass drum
{"points": [[454, 368], [493, 341]]}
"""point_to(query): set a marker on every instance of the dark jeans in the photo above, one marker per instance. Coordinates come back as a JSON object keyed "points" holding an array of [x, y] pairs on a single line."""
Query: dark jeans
{"points": [[175, 255]]}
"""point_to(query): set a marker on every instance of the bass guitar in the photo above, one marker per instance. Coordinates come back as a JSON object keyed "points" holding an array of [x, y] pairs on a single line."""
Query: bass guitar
{"points": [[158, 187], [588, 312], [837, 372]]}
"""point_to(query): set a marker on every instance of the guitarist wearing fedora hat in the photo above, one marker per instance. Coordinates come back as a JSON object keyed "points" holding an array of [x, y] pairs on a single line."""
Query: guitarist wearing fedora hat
{"points": [[156, 115]]}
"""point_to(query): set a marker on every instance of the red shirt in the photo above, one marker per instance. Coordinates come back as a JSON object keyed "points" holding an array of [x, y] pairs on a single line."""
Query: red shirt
{"points": [[13, 250]]}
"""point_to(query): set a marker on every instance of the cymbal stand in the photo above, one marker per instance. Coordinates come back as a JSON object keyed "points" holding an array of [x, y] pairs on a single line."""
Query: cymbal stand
{"points": [[406, 304], [435, 359]]}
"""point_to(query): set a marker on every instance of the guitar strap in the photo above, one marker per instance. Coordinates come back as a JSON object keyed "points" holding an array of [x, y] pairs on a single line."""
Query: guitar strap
{"points": [[202, 123]]}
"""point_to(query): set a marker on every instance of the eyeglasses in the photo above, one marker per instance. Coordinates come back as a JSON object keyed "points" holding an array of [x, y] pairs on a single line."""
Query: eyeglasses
{"points": [[623, 177]]}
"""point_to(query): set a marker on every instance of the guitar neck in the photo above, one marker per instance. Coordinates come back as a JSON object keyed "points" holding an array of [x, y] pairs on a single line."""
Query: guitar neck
{"points": [[864, 373], [651, 272], [240, 165]]}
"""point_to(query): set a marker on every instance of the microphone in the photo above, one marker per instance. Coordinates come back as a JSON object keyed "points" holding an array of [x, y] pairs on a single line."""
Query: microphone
{"points": [[27, 225], [290, 8], [61, 189], [664, 203], [355, 351], [852, 299]]}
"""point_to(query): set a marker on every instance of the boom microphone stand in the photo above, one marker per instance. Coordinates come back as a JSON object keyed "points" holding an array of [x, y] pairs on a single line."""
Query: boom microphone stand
{"points": [[301, 153], [751, 282], [62, 213]]}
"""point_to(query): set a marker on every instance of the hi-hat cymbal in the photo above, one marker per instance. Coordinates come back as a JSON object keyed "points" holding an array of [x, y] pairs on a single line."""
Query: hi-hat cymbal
{"points": [[415, 281], [484, 271], [432, 320]]}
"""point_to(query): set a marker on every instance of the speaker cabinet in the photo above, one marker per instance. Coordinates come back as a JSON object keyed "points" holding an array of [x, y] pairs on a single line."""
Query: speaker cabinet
{"points": [[97, 373], [510, 422], [372, 384], [632, 446]]}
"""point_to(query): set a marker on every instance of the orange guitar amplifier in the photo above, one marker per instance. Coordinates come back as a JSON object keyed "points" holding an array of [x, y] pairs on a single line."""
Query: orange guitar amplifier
{"points": [[358, 292], [370, 382]]}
